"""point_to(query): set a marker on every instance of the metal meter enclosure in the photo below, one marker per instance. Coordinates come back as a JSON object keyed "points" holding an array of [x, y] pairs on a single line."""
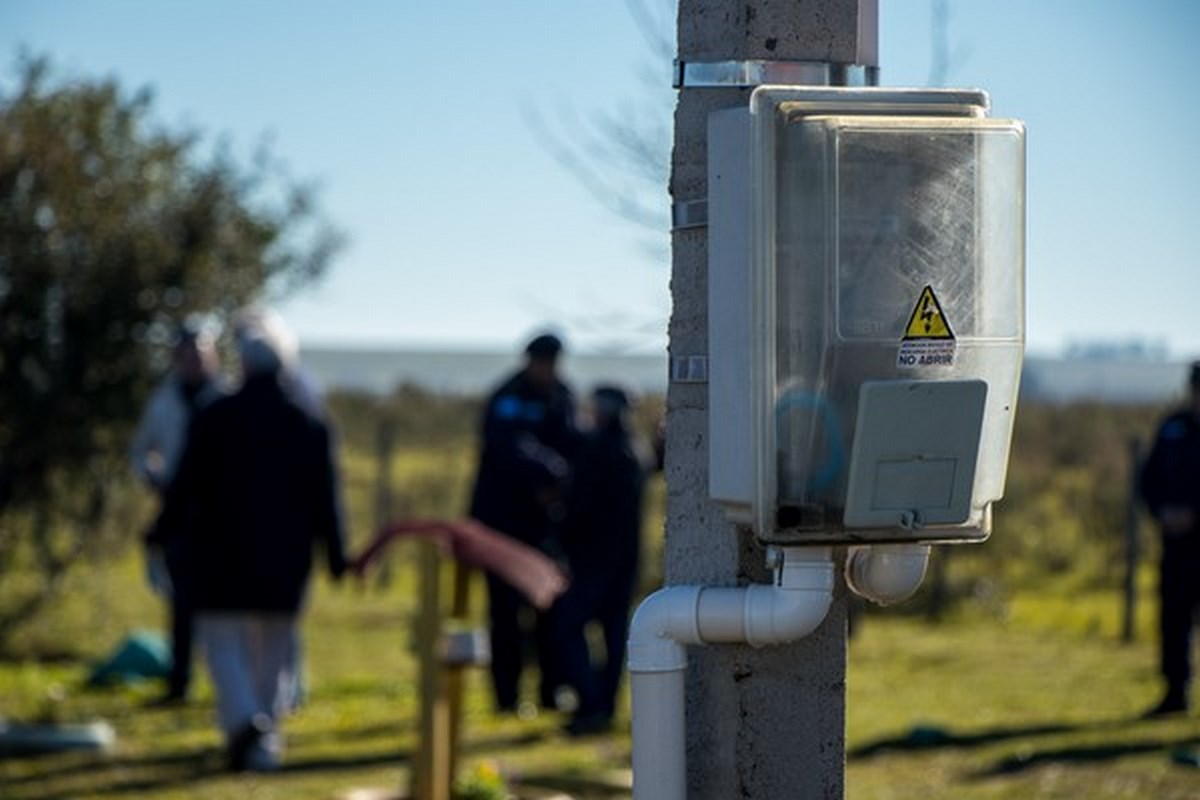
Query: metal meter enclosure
{"points": [[866, 312]]}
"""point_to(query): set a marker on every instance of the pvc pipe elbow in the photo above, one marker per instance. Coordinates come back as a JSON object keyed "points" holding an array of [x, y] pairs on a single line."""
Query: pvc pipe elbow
{"points": [[663, 623], [776, 616], [797, 603], [886, 574], [759, 615]]}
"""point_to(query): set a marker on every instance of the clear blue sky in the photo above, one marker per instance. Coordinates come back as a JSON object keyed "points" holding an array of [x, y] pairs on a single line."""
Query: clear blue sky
{"points": [[465, 232]]}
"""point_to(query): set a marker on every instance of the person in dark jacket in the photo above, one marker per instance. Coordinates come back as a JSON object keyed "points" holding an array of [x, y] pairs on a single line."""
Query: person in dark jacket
{"points": [[1170, 484], [528, 434], [602, 540], [255, 492]]}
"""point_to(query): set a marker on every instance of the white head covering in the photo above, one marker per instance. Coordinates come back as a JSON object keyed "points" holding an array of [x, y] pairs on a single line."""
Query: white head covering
{"points": [[265, 344]]}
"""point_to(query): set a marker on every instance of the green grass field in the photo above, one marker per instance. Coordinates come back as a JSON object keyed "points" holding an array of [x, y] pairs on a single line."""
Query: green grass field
{"points": [[1040, 701], [1043, 703], [1016, 693]]}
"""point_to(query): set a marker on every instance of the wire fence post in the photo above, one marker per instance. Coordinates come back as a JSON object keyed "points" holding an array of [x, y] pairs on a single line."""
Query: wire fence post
{"points": [[1132, 544]]}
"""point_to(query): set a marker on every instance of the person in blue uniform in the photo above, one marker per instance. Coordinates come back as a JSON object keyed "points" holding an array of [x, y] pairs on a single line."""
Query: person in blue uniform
{"points": [[1170, 485], [528, 436], [602, 540]]}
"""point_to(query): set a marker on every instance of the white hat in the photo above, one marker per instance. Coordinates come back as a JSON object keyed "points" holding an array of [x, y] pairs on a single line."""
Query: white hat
{"points": [[265, 344]]}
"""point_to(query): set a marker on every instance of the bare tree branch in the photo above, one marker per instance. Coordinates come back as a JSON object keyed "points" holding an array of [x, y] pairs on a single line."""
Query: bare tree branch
{"points": [[621, 157], [944, 60]]}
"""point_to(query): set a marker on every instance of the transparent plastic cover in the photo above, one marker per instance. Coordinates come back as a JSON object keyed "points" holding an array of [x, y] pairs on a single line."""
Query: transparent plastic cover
{"points": [[896, 252]]}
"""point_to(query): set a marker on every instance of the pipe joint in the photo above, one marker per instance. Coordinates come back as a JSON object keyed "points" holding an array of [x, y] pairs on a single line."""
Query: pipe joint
{"points": [[776, 616], [663, 623], [790, 608], [888, 573]]}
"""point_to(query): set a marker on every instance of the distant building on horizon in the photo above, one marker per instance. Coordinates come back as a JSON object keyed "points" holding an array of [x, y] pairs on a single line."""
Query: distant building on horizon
{"points": [[1121, 380], [1118, 350]]}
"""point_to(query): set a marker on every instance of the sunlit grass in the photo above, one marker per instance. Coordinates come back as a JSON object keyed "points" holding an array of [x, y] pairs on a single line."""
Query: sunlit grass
{"points": [[1019, 693], [1043, 703], [1039, 702]]}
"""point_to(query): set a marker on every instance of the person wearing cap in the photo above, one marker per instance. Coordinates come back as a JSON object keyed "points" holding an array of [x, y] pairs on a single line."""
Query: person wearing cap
{"points": [[1170, 486], [602, 540], [155, 450], [528, 434], [256, 491]]}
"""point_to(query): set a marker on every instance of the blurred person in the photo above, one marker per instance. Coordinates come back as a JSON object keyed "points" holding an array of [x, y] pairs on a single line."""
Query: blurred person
{"points": [[528, 434], [155, 451], [256, 491], [602, 540], [1170, 485], [304, 391]]}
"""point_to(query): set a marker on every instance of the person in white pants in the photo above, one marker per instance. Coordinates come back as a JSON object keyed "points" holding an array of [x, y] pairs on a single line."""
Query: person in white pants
{"points": [[251, 658], [256, 490]]}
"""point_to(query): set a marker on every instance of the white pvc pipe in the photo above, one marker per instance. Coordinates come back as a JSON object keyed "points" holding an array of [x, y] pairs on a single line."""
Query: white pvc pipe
{"points": [[886, 573], [658, 735], [675, 616], [661, 625]]}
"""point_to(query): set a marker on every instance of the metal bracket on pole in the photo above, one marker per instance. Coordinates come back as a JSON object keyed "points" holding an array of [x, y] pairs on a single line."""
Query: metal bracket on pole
{"points": [[689, 214], [756, 72], [689, 369]]}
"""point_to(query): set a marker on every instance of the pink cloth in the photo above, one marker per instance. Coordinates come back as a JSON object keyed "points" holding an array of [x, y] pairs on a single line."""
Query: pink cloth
{"points": [[525, 568]]}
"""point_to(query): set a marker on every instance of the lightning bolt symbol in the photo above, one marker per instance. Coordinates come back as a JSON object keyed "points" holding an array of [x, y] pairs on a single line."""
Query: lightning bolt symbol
{"points": [[927, 313]]}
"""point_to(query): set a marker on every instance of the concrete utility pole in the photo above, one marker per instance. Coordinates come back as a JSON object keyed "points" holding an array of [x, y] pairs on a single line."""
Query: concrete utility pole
{"points": [[764, 723]]}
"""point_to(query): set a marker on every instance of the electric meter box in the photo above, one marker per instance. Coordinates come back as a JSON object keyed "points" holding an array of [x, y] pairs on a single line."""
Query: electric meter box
{"points": [[866, 312]]}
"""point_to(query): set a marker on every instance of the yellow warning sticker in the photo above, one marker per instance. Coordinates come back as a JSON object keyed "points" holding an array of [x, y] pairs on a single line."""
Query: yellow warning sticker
{"points": [[928, 339], [928, 321]]}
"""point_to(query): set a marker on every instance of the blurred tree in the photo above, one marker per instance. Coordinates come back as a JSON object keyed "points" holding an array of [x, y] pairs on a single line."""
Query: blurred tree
{"points": [[111, 231]]}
